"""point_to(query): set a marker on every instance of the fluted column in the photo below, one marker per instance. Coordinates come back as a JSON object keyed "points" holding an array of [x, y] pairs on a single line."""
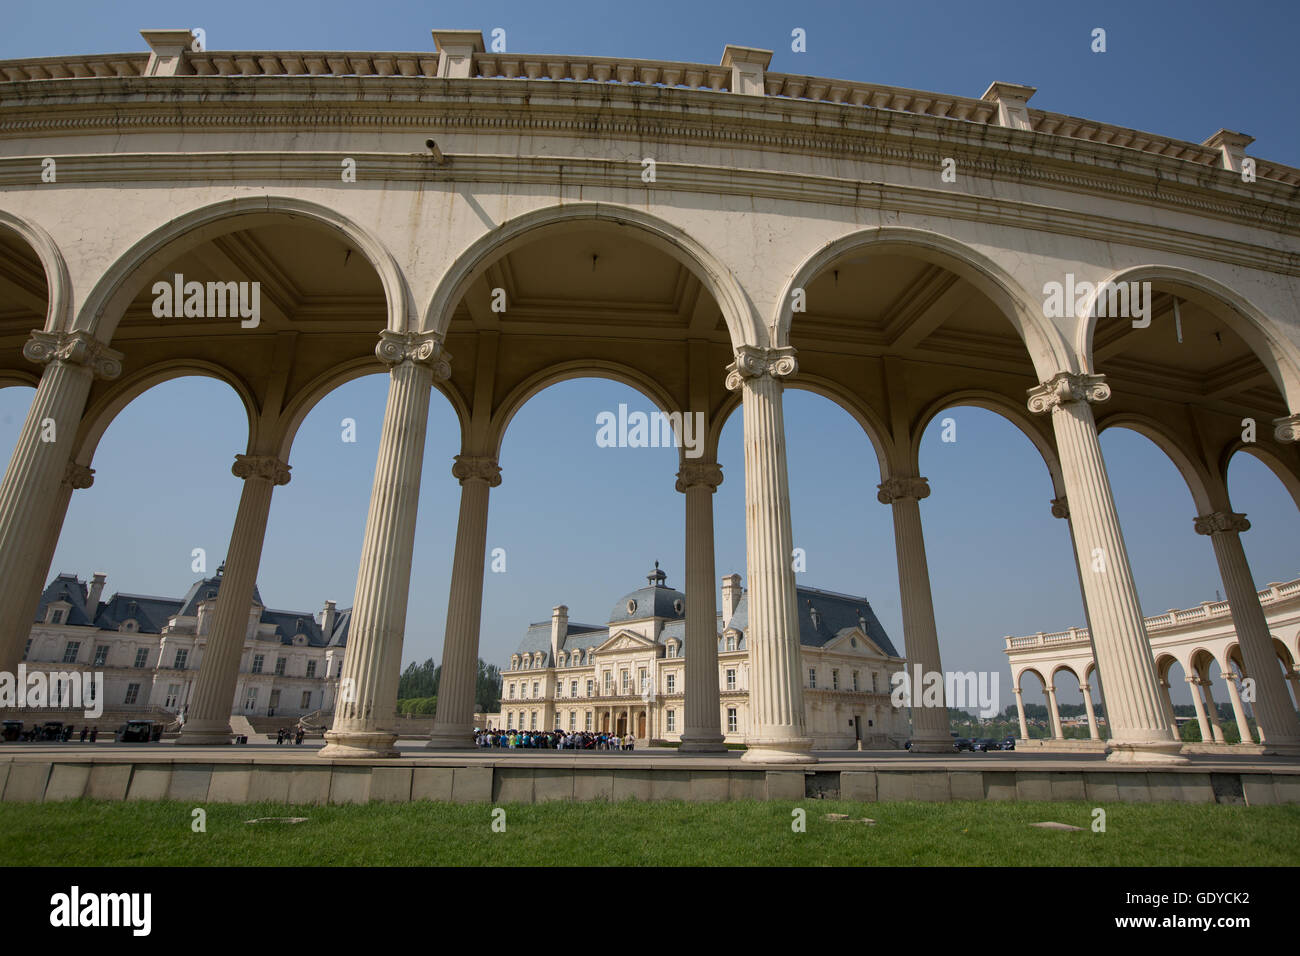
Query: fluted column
{"points": [[1212, 712], [453, 725], [1140, 728], [214, 689], [1274, 711], [1020, 712], [702, 727], [1093, 732], [777, 731], [1053, 714], [1167, 699], [75, 477], [930, 733], [1194, 685], [365, 714], [31, 487], [1238, 711]]}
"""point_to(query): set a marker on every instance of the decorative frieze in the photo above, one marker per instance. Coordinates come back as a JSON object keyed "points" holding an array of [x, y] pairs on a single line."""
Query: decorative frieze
{"points": [[74, 348], [1065, 388]]}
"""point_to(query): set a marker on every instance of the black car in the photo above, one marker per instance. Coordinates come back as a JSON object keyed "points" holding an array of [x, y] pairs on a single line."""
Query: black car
{"points": [[1008, 743], [985, 745], [962, 743], [11, 730], [136, 731], [52, 730]]}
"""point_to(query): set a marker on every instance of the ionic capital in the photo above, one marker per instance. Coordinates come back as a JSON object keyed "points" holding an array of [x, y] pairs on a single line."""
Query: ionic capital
{"points": [[1220, 522], [1061, 508], [74, 348], [477, 468], [422, 348], [267, 467], [77, 476], [1287, 429], [754, 362], [893, 489], [1065, 388], [693, 473]]}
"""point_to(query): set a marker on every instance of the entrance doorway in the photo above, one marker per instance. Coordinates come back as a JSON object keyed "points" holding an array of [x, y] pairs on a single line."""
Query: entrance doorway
{"points": [[622, 726], [640, 725]]}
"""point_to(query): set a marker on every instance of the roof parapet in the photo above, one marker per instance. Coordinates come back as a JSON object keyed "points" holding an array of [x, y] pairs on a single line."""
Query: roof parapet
{"points": [[168, 52], [1012, 100], [1231, 146], [456, 49], [748, 65]]}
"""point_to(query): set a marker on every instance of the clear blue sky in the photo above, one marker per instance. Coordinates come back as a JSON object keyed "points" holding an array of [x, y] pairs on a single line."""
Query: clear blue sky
{"points": [[582, 525]]}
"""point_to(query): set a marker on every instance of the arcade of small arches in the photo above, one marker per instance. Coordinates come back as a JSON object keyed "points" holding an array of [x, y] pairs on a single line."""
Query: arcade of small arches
{"points": [[1201, 642], [677, 292]]}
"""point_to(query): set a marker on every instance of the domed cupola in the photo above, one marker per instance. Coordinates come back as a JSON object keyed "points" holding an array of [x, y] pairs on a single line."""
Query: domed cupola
{"points": [[656, 599]]}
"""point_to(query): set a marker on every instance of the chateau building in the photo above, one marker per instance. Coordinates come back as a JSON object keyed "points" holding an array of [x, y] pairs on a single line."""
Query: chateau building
{"points": [[150, 649], [629, 675]]}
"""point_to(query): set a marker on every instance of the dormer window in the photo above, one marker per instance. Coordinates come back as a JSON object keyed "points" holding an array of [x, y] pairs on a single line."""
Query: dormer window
{"points": [[55, 615], [631, 606], [679, 606], [130, 625], [731, 642]]}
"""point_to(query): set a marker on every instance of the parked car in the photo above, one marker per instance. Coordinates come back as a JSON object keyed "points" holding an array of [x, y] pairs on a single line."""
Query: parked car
{"points": [[1008, 743], [135, 731], [52, 730], [985, 745], [962, 743], [11, 729]]}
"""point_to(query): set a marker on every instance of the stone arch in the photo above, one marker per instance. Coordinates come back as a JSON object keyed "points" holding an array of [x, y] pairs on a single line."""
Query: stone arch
{"points": [[1285, 474], [658, 233], [1047, 347], [1063, 666], [302, 404], [1018, 682], [566, 371], [1017, 415], [1203, 656], [1198, 480], [1277, 355], [58, 283], [14, 378], [111, 404], [108, 299]]}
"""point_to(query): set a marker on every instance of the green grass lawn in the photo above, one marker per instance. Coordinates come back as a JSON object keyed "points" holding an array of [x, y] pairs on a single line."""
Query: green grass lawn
{"points": [[90, 833]]}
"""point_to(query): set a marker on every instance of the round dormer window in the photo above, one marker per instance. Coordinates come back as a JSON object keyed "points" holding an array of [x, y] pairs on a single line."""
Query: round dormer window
{"points": [[679, 606], [631, 606]]}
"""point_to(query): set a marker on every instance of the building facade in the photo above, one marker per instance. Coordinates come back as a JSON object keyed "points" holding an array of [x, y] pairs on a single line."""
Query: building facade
{"points": [[150, 649], [628, 675]]}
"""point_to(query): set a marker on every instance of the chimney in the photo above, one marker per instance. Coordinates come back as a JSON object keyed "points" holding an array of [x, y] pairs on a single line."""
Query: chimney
{"points": [[559, 628], [96, 590], [327, 620], [731, 592]]}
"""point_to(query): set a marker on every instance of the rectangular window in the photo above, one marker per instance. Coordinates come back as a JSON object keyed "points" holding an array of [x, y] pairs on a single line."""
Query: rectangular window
{"points": [[624, 680], [587, 721], [70, 651], [609, 682], [275, 700], [311, 668], [873, 682], [532, 723], [182, 657], [132, 693], [671, 717], [731, 678], [671, 683], [101, 655], [535, 689], [835, 680], [173, 692], [279, 666], [306, 700], [732, 722], [141, 656], [855, 680], [641, 678], [573, 720], [573, 688], [250, 702], [590, 685], [259, 661], [512, 692], [812, 677], [510, 720]]}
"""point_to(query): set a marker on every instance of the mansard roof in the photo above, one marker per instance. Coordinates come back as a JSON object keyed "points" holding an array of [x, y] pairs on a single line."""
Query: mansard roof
{"points": [[836, 615], [69, 588], [150, 613]]}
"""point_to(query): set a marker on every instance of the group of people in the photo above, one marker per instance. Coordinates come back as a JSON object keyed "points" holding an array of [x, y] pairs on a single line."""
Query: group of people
{"points": [[37, 732], [551, 740], [292, 735]]}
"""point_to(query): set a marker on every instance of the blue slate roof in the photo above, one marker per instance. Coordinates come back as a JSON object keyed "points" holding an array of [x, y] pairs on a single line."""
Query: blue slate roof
{"points": [[656, 599], [150, 613], [836, 615], [67, 587]]}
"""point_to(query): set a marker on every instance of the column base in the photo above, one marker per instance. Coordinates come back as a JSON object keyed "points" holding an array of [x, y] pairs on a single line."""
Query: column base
{"points": [[794, 750], [358, 745], [703, 744], [1153, 752], [207, 733]]}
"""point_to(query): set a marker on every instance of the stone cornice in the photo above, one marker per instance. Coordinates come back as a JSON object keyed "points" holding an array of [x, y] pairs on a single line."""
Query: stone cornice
{"points": [[752, 362], [651, 113], [1065, 388], [1220, 522], [477, 468], [894, 489], [266, 467], [74, 348], [423, 348], [694, 473]]}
